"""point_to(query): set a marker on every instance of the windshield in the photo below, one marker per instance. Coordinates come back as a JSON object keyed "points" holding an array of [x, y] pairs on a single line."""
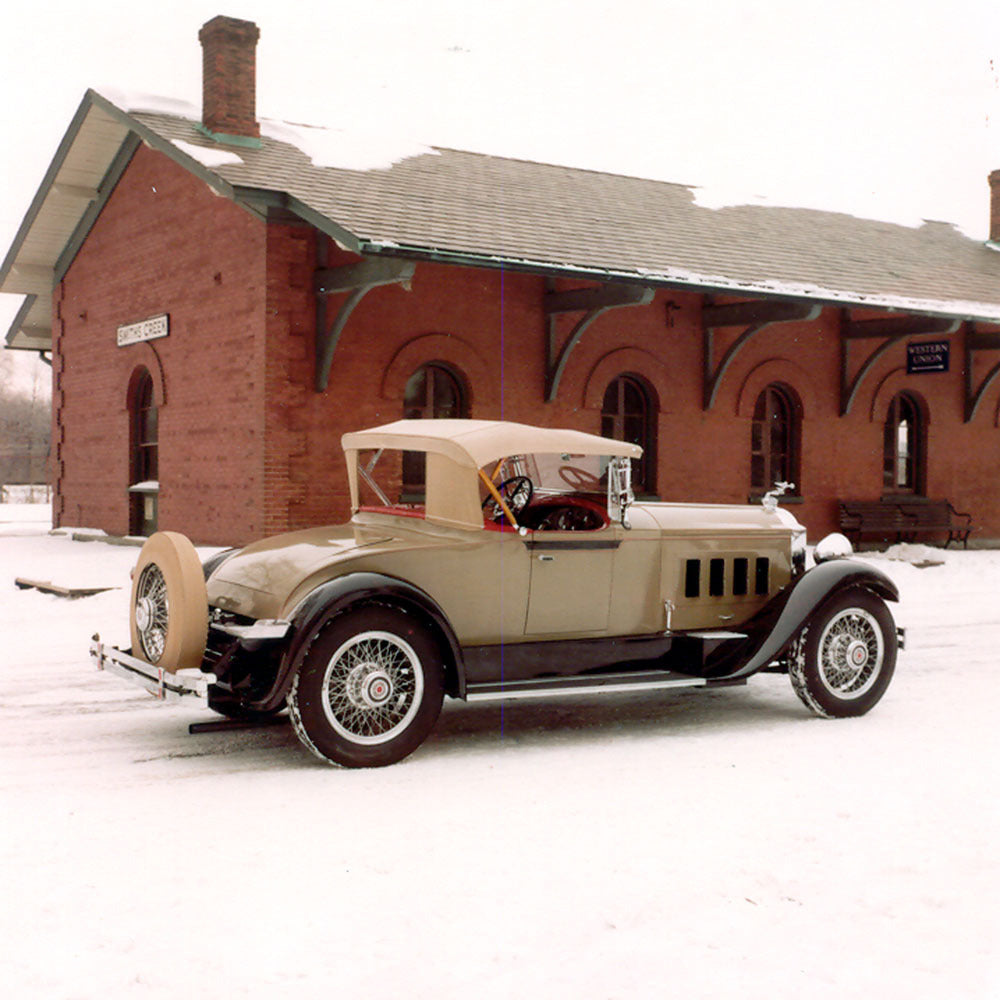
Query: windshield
{"points": [[554, 474], [391, 478]]}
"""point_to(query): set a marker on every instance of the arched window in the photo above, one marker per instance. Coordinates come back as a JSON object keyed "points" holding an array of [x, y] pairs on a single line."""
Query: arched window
{"points": [[776, 440], [433, 391], [904, 446], [144, 461], [629, 413]]}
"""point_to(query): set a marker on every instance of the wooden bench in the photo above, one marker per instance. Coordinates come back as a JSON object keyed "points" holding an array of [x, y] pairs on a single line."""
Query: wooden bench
{"points": [[903, 519]]}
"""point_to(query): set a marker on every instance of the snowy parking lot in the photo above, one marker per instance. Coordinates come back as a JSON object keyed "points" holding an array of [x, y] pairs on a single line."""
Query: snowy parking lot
{"points": [[720, 843]]}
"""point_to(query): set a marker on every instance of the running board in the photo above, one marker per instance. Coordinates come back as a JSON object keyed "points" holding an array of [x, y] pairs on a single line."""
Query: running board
{"points": [[544, 687]]}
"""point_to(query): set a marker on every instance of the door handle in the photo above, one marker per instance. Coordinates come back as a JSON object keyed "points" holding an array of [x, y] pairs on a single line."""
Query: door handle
{"points": [[546, 558]]}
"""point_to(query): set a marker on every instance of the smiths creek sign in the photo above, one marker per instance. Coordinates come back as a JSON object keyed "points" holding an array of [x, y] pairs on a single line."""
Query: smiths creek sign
{"points": [[148, 329], [928, 356]]}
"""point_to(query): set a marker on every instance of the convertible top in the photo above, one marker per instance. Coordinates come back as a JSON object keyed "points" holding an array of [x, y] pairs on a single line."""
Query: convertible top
{"points": [[475, 443]]}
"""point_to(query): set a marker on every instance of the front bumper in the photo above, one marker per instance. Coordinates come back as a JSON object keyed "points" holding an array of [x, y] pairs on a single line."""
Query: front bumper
{"points": [[159, 682]]}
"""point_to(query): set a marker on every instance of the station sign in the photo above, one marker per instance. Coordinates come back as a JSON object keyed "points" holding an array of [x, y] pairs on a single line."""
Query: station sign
{"points": [[149, 329], [927, 356]]}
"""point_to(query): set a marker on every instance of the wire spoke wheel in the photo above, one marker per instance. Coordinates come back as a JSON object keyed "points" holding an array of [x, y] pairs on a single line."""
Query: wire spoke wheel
{"points": [[851, 651], [152, 612], [372, 687], [842, 661], [369, 688]]}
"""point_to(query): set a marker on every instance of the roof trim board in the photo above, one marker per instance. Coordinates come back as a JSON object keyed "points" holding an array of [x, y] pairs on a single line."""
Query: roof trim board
{"points": [[22, 337], [709, 285]]}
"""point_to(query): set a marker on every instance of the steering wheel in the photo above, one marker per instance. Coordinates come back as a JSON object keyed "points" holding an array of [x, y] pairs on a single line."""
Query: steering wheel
{"points": [[516, 491], [580, 479]]}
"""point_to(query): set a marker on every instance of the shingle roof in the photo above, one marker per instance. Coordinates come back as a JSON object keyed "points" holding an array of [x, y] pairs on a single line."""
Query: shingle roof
{"points": [[488, 210]]}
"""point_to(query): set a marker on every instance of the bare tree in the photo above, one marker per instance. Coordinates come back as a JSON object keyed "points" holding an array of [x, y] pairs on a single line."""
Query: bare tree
{"points": [[25, 422]]}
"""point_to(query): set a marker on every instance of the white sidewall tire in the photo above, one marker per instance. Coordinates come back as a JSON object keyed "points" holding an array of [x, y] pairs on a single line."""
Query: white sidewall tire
{"points": [[187, 625], [313, 715], [809, 672]]}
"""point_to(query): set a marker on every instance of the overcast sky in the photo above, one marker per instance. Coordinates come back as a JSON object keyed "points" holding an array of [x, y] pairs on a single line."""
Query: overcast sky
{"points": [[889, 108]]}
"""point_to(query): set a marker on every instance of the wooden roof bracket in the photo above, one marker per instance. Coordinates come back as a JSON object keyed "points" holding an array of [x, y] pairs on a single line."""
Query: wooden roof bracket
{"points": [[592, 302], [358, 279], [890, 330], [755, 316], [978, 341]]}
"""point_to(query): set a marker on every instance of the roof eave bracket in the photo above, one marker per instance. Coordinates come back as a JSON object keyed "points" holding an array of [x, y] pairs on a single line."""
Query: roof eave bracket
{"points": [[890, 330], [755, 316], [357, 279], [978, 341], [592, 302]]}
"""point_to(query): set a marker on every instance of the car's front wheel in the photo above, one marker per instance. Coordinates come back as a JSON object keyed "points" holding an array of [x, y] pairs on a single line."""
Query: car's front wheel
{"points": [[845, 657], [369, 689]]}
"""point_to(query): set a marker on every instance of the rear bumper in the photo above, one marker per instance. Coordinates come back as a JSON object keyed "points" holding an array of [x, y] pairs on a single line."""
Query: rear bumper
{"points": [[161, 683]]}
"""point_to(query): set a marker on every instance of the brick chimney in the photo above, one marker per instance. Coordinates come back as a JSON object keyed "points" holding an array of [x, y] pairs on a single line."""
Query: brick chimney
{"points": [[995, 206], [229, 78]]}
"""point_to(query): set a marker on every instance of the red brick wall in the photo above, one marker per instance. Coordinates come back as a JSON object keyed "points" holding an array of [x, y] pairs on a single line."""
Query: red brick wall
{"points": [[248, 448], [164, 244], [490, 327]]}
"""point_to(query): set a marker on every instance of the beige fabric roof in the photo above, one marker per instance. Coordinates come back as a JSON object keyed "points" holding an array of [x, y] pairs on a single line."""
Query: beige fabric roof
{"points": [[477, 443]]}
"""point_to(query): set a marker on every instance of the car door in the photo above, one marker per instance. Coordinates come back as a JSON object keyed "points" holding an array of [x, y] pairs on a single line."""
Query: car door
{"points": [[570, 577]]}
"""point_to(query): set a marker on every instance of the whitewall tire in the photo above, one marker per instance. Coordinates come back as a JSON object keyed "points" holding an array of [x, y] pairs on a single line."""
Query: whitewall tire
{"points": [[369, 689], [845, 657]]}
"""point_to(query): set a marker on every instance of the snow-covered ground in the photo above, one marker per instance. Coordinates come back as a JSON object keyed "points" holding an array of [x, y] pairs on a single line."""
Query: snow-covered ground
{"points": [[693, 844]]}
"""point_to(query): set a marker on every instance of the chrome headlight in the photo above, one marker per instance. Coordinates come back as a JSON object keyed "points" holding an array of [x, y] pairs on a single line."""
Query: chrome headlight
{"points": [[834, 546]]}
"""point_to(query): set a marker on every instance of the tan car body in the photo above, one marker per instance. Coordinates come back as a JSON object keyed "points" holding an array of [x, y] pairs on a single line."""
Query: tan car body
{"points": [[528, 571], [505, 586]]}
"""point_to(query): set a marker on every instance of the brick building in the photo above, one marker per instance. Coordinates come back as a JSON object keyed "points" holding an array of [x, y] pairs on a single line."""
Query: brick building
{"points": [[223, 298]]}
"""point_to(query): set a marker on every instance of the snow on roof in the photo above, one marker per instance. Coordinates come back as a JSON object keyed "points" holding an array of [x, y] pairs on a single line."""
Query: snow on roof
{"points": [[133, 102], [210, 158], [874, 208], [345, 149]]}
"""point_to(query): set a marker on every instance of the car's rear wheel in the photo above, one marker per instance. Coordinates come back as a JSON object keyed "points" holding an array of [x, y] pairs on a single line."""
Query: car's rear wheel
{"points": [[169, 604], [845, 656], [369, 689]]}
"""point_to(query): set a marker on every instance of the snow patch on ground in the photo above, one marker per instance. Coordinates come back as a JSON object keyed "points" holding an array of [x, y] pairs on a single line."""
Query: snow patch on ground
{"points": [[716, 844], [918, 555]]}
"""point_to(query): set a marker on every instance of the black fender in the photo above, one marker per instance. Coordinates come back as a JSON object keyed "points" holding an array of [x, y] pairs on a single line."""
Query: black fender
{"points": [[354, 589], [773, 628]]}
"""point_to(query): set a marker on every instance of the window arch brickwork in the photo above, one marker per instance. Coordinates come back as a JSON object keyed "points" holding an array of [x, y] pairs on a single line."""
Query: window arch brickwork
{"points": [[481, 382]]}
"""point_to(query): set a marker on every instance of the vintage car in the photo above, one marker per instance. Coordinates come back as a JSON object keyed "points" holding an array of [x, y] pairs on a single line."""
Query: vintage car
{"points": [[522, 567]]}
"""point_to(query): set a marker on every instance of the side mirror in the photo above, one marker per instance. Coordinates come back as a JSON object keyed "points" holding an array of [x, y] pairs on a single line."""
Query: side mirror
{"points": [[620, 495]]}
